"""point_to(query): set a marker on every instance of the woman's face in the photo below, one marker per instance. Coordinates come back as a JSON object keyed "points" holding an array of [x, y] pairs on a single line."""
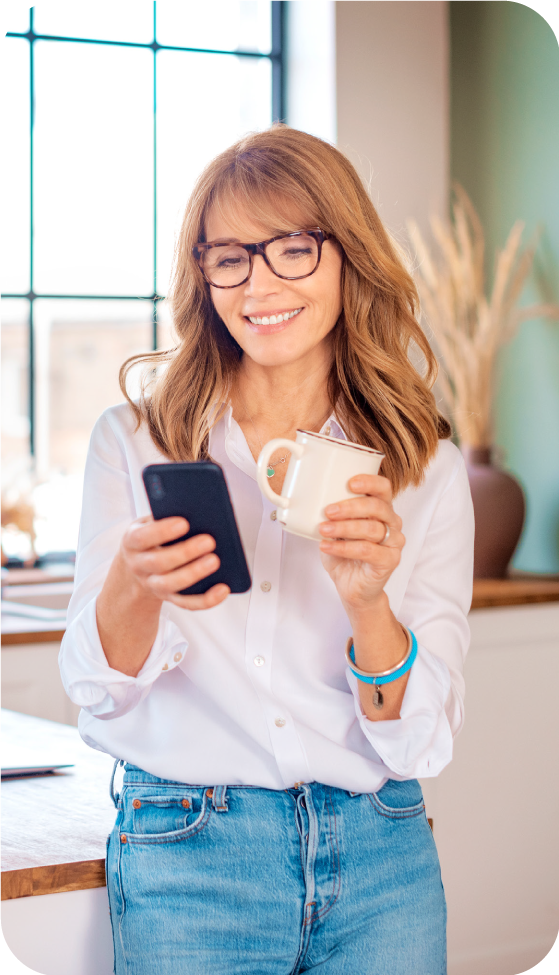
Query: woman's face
{"points": [[315, 300]]}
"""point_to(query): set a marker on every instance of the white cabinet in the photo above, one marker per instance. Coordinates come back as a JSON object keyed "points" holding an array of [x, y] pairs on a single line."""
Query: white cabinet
{"points": [[31, 682], [496, 806]]}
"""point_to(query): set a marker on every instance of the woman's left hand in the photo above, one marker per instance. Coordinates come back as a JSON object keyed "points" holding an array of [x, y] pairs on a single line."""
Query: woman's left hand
{"points": [[357, 551]]}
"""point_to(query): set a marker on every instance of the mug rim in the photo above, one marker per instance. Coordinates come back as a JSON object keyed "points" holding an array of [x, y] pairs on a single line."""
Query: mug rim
{"points": [[343, 443]]}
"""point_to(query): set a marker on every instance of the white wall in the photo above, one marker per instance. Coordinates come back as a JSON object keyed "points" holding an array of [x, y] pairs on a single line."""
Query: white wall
{"points": [[393, 104], [311, 67]]}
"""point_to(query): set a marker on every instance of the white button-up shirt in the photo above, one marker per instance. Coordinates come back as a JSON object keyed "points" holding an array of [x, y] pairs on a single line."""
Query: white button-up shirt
{"points": [[256, 690]]}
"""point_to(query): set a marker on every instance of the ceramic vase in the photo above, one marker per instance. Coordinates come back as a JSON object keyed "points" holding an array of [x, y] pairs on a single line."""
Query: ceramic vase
{"points": [[499, 510]]}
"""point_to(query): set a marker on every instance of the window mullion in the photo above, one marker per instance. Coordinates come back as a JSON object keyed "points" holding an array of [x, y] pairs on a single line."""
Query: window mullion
{"points": [[31, 391]]}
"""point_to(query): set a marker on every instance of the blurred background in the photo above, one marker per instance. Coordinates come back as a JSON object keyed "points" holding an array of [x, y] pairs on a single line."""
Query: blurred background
{"points": [[113, 108], [110, 110]]}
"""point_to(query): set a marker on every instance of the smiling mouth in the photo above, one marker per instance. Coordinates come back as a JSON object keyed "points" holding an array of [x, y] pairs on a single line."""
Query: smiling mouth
{"points": [[273, 319]]}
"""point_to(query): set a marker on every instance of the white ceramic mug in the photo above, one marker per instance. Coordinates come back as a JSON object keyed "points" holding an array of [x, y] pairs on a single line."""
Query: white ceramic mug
{"points": [[318, 474]]}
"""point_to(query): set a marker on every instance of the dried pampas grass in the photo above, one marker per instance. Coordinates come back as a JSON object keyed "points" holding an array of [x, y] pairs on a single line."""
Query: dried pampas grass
{"points": [[469, 327]]}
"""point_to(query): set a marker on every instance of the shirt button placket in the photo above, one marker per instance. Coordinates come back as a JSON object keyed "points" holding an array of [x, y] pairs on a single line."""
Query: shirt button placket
{"points": [[261, 620]]}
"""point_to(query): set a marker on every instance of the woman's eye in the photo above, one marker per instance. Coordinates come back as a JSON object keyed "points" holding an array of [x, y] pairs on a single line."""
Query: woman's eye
{"points": [[295, 252]]}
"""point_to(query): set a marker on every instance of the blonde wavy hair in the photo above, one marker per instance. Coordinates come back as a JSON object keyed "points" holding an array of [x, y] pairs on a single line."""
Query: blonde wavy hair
{"points": [[380, 398]]}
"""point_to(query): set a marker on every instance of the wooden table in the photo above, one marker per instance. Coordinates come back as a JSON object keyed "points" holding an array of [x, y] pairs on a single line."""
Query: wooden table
{"points": [[516, 591], [20, 629], [54, 827]]}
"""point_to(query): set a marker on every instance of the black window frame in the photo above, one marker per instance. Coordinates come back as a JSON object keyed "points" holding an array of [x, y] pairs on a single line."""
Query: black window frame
{"points": [[277, 58]]}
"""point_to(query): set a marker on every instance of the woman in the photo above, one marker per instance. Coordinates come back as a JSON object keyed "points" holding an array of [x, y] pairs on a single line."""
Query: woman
{"points": [[270, 818]]}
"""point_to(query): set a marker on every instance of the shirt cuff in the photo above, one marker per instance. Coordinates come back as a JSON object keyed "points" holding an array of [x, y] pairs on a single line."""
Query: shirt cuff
{"points": [[419, 743], [96, 687]]}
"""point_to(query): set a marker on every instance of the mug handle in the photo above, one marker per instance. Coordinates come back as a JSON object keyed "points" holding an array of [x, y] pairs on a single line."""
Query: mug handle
{"points": [[262, 466]]}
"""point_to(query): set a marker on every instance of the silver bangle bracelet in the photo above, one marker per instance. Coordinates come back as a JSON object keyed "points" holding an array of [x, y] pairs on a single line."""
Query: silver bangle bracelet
{"points": [[380, 673]]}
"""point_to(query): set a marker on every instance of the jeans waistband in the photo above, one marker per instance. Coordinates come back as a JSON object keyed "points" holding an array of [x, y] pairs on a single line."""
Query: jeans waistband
{"points": [[134, 775]]}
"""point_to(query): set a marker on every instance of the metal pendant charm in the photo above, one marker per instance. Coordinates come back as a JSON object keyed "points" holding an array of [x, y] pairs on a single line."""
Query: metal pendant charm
{"points": [[378, 700]]}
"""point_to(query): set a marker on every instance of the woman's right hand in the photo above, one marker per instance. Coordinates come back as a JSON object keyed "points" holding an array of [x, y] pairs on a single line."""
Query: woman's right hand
{"points": [[143, 574], [158, 572]]}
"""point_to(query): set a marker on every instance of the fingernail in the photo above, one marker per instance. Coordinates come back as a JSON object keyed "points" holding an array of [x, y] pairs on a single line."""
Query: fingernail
{"points": [[332, 509], [326, 546], [327, 529]]}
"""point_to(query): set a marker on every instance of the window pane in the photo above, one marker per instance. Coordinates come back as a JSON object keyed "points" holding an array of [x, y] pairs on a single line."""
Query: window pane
{"points": [[15, 390], [20, 25], [15, 166], [166, 335], [127, 20], [223, 25], [80, 346], [93, 169], [233, 96]]}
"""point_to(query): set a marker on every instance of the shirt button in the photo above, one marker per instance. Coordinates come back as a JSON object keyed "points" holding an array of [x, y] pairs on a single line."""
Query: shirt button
{"points": [[274, 515], [259, 661], [177, 657], [265, 586], [165, 667], [279, 722]]}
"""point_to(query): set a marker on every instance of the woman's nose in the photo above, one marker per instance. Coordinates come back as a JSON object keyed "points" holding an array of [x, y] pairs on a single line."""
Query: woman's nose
{"points": [[262, 281]]}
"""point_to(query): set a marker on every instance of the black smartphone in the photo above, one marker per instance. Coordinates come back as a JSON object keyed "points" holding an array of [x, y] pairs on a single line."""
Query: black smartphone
{"points": [[198, 492]]}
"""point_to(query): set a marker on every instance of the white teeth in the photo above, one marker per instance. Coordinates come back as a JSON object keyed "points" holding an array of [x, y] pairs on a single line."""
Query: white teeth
{"points": [[273, 319]]}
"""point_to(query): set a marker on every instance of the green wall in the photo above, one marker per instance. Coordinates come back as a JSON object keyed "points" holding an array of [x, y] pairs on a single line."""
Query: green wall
{"points": [[505, 152]]}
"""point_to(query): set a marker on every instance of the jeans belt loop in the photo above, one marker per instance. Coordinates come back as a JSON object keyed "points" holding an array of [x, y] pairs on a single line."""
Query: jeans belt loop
{"points": [[115, 796], [219, 798]]}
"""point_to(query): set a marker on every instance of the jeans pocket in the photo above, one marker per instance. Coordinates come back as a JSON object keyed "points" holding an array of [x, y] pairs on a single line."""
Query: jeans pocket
{"points": [[399, 800], [161, 814]]}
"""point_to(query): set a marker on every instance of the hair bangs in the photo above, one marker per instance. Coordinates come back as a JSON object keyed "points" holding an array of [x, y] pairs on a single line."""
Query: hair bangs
{"points": [[250, 195]]}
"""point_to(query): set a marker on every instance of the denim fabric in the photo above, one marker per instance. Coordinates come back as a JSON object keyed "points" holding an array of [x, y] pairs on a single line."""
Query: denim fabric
{"points": [[249, 881]]}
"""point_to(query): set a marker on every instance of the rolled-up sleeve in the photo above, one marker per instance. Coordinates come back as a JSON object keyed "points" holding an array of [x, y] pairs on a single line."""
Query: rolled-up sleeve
{"points": [[109, 506], [435, 606]]}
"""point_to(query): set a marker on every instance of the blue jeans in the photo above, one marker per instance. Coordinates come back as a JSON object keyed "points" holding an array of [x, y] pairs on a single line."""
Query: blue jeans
{"points": [[247, 881]]}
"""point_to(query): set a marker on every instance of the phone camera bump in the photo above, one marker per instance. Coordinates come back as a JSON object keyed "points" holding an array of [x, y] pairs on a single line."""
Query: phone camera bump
{"points": [[156, 488]]}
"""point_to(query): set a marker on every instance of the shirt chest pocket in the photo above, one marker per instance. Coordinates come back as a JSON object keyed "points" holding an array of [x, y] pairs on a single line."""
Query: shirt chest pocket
{"points": [[164, 813]]}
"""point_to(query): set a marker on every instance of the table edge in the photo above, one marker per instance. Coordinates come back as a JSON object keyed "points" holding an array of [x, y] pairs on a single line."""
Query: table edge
{"points": [[32, 636], [56, 878]]}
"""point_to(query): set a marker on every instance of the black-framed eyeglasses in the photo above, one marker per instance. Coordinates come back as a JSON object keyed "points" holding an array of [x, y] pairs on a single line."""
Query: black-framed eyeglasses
{"points": [[290, 256]]}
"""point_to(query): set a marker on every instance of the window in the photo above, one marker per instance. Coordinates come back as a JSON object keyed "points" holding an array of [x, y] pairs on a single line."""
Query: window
{"points": [[113, 110]]}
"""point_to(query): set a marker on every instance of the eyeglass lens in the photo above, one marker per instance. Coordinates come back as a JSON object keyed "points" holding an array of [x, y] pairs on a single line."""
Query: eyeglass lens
{"points": [[289, 257]]}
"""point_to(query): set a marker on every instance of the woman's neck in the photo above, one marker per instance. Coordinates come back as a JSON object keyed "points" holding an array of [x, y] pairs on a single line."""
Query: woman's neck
{"points": [[275, 401]]}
